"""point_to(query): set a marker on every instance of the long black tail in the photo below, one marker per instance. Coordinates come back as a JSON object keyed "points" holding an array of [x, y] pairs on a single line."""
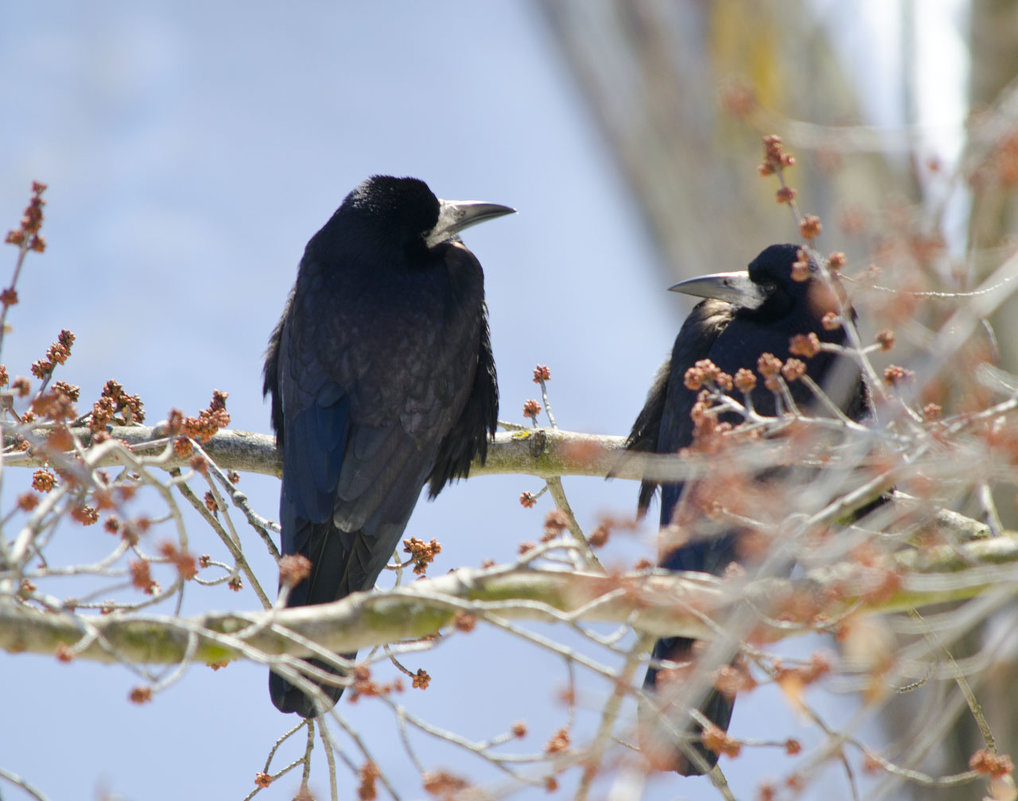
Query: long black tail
{"points": [[716, 707], [341, 562], [288, 698]]}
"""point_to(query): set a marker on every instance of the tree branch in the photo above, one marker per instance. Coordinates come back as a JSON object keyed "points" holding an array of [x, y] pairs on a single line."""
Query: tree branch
{"points": [[541, 452], [654, 604]]}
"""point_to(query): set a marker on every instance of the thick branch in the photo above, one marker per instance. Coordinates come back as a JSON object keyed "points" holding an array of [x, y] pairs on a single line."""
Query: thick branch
{"points": [[657, 605], [540, 452]]}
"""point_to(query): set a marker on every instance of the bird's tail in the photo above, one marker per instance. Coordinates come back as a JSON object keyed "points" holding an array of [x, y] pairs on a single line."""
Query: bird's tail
{"points": [[335, 557], [660, 740], [288, 698]]}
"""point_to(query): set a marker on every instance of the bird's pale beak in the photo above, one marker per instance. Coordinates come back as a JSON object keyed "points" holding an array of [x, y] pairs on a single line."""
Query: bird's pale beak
{"points": [[735, 288], [455, 215]]}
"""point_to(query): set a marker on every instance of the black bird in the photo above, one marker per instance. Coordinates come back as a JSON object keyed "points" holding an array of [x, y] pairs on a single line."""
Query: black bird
{"points": [[746, 314], [382, 380]]}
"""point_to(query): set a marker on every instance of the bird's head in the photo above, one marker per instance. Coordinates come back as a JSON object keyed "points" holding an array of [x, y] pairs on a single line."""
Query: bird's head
{"points": [[773, 286], [407, 210]]}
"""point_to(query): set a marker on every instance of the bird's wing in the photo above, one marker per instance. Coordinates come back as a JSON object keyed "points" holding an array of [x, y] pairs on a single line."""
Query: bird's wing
{"points": [[314, 427], [469, 435], [644, 434], [664, 424]]}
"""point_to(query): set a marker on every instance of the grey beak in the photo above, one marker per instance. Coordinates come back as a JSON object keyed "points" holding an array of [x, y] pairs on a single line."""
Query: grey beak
{"points": [[735, 288], [455, 215]]}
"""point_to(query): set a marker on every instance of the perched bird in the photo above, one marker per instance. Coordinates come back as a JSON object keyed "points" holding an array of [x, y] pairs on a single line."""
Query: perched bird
{"points": [[382, 380], [746, 314]]}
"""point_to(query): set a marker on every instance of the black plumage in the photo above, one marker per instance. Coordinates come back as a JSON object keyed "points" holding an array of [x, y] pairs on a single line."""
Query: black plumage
{"points": [[745, 315], [382, 379]]}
